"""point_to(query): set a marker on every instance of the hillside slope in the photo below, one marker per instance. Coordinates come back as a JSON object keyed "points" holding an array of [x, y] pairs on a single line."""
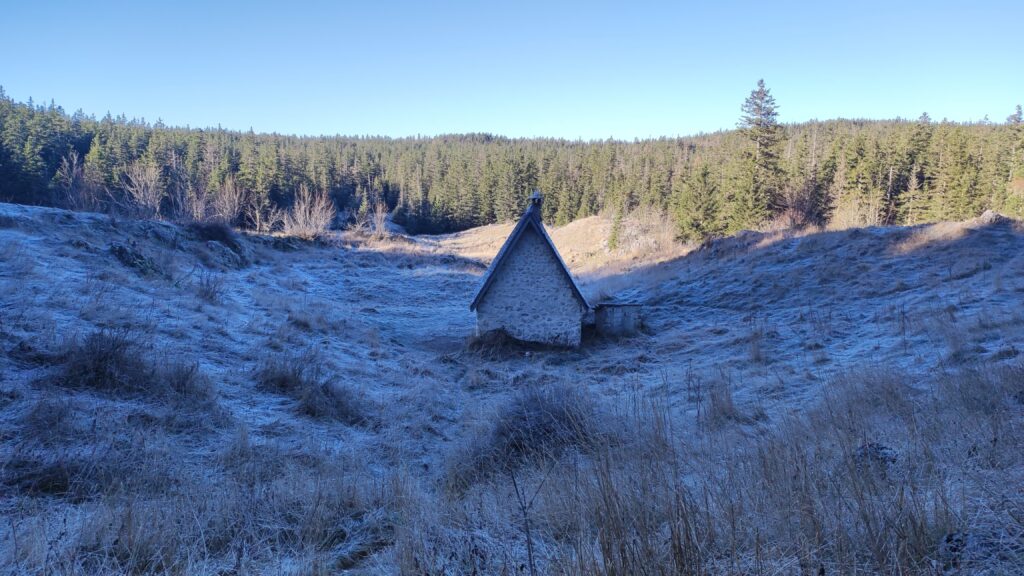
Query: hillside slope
{"points": [[184, 400]]}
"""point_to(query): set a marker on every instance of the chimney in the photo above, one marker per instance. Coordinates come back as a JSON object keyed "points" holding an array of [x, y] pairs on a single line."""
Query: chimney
{"points": [[536, 200]]}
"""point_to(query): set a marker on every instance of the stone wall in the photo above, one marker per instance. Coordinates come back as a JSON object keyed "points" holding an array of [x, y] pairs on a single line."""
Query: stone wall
{"points": [[530, 298], [617, 320]]}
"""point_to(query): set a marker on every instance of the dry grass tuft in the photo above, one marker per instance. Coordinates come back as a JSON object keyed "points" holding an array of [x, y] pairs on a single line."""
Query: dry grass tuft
{"points": [[302, 376], [108, 361], [49, 420], [216, 231], [116, 362], [539, 423], [932, 235], [210, 286], [499, 345], [109, 462]]}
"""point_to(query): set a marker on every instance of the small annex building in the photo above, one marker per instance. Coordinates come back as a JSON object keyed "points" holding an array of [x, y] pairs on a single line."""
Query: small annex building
{"points": [[527, 291]]}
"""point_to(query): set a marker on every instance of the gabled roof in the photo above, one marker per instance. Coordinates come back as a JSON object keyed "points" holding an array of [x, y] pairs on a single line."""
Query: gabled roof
{"points": [[530, 219]]}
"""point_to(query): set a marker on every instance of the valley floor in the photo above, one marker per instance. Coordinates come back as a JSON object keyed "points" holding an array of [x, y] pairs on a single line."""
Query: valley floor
{"points": [[178, 400]]}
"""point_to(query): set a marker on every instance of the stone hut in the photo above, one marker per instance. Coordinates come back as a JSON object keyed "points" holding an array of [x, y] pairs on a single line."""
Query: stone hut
{"points": [[527, 291]]}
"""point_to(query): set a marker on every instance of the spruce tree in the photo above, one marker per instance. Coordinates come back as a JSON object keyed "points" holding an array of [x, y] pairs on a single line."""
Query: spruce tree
{"points": [[1016, 137], [759, 123], [697, 207]]}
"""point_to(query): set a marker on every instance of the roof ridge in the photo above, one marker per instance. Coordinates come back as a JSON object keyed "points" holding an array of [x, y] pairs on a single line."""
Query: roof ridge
{"points": [[530, 217]]}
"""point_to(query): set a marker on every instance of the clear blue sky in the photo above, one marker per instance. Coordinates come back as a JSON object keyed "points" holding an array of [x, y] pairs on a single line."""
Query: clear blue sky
{"points": [[574, 70]]}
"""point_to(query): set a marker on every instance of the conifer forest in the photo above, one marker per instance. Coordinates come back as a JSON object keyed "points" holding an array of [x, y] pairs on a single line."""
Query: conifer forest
{"points": [[845, 171]]}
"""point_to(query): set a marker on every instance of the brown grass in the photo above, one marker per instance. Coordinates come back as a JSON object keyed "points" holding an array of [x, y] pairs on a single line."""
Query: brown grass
{"points": [[117, 362], [256, 506], [880, 478], [536, 424], [303, 377]]}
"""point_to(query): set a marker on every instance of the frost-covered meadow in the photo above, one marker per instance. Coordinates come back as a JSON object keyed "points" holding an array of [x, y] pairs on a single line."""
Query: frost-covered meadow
{"points": [[191, 400]]}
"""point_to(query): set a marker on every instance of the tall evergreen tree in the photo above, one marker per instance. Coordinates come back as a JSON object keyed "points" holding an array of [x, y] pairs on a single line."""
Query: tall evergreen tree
{"points": [[697, 207], [759, 123]]}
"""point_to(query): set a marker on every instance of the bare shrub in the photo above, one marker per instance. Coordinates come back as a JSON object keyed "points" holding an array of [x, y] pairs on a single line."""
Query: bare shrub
{"points": [[302, 377], [141, 181], [228, 203], [210, 286], [855, 213], [379, 218], [311, 214], [77, 192], [261, 214], [189, 200], [648, 232]]}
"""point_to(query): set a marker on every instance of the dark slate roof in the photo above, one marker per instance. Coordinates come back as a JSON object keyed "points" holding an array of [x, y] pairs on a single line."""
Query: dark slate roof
{"points": [[530, 219]]}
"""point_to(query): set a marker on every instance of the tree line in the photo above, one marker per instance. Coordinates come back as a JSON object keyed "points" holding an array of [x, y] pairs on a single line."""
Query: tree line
{"points": [[852, 172]]}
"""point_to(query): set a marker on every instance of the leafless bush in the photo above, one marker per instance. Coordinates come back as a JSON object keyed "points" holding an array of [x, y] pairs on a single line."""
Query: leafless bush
{"points": [[229, 202], [302, 377], [141, 181], [854, 213], [379, 218], [648, 232], [261, 214], [76, 190], [189, 200], [311, 214]]}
